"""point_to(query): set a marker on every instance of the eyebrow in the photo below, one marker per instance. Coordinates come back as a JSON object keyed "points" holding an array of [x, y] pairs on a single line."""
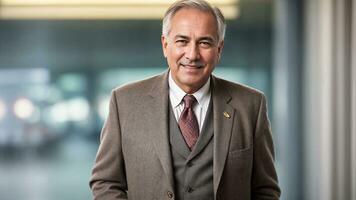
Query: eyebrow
{"points": [[199, 39], [210, 39], [181, 36]]}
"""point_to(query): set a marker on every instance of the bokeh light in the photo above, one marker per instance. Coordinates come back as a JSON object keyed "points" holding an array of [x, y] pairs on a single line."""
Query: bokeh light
{"points": [[2, 109], [103, 107], [23, 108], [78, 109]]}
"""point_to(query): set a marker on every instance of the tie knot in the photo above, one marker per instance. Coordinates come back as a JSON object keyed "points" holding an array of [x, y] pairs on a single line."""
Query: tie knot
{"points": [[189, 101]]}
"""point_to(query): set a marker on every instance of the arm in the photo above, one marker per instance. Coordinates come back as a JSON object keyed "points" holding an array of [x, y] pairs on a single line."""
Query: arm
{"points": [[264, 177], [108, 181]]}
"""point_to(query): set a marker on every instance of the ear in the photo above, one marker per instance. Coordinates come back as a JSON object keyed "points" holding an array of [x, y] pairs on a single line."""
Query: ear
{"points": [[164, 42], [220, 48]]}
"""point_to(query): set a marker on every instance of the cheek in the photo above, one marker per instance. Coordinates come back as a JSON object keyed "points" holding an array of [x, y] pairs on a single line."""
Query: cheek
{"points": [[173, 57], [175, 51], [178, 53], [211, 57]]}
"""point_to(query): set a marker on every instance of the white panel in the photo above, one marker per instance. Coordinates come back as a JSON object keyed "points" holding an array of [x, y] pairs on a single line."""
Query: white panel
{"points": [[318, 100], [341, 152], [353, 102]]}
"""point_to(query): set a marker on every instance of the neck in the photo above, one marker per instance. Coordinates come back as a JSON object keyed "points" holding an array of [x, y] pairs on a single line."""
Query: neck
{"points": [[188, 89]]}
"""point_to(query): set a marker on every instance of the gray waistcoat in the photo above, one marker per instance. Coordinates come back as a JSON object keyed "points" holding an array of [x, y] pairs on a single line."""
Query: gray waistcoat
{"points": [[193, 171]]}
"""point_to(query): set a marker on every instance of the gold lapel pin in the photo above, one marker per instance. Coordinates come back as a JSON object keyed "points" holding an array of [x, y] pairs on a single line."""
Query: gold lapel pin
{"points": [[226, 115]]}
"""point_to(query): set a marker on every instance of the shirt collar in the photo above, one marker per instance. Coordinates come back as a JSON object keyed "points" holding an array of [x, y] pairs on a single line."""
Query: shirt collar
{"points": [[177, 94]]}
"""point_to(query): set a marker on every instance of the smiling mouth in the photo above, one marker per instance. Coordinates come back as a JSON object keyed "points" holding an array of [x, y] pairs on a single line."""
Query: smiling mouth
{"points": [[192, 66]]}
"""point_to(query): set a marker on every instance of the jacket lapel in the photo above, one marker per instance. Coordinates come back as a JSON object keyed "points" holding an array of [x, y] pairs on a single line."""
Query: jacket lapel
{"points": [[223, 121], [160, 137]]}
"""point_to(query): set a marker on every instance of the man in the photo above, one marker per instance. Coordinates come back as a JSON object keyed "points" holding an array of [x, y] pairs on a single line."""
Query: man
{"points": [[187, 134]]}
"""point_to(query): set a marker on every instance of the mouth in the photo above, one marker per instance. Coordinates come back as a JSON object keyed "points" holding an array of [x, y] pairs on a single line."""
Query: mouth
{"points": [[192, 66]]}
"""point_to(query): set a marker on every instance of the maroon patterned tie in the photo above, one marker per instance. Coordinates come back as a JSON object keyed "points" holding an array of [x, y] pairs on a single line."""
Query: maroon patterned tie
{"points": [[188, 122]]}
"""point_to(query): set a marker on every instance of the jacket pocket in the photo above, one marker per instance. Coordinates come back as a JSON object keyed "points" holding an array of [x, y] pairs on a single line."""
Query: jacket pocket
{"points": [[245, 153]]}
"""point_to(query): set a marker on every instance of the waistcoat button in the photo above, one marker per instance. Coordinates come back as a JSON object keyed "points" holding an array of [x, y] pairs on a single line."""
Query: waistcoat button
{"points": [[170, 194], [189, 189]]}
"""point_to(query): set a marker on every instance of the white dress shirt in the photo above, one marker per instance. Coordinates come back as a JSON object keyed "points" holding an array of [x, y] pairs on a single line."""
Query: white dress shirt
{"points": [[202, 96]]}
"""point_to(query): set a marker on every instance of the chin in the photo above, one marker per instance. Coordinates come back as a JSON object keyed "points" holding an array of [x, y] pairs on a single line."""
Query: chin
{"points": [[193, 84], [191, 80]]}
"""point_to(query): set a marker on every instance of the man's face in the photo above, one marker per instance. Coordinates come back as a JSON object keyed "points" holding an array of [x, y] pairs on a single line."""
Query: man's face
{"points": [[192, 48]]}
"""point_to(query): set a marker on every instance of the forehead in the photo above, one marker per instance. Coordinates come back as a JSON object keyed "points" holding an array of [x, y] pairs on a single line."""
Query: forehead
{"points": [[189, 21]]}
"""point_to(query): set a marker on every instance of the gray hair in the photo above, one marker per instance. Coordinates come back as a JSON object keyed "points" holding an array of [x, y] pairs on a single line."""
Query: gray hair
{"points": [[196, 4]]}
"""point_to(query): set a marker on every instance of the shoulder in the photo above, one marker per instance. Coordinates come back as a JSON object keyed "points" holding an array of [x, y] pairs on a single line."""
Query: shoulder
{"points": [[137, 93], [138, 88], [239, 91]]}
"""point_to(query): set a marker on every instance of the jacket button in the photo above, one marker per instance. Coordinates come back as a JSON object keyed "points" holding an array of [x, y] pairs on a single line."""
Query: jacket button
{"points": [[189, 164], [189, 190], [170, 194]]}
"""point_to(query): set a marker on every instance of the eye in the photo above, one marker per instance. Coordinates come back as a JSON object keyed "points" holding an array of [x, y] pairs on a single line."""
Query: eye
{"points": [[181, 42], [205, 44]]}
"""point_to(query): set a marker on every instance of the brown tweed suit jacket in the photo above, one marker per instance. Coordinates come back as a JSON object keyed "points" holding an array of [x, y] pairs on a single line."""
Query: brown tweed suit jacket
{"points": [[134, 160]]}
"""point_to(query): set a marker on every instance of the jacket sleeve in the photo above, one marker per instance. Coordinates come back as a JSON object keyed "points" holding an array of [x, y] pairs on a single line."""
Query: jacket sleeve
{"points": [[264, 177], [108, 181]]}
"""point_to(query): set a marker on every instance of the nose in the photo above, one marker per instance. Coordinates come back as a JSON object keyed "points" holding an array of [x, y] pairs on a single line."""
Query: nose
{"points": [[192, 52]]}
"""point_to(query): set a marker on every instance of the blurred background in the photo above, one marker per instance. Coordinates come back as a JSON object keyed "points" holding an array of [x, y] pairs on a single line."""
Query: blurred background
{"points": [[59, 60]]}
